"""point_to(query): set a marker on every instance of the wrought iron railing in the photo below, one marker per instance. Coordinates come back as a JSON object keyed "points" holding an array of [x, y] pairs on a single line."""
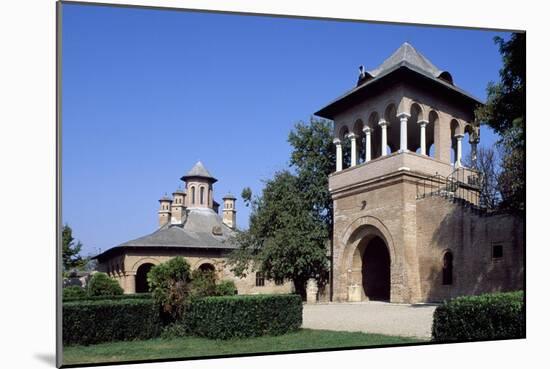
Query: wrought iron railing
{"points": [[463, 186]]}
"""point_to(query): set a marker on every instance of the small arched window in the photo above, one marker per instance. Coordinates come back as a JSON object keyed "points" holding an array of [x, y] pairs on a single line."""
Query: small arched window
{"points": [[448, 268], [193, 195], [202, 195]]}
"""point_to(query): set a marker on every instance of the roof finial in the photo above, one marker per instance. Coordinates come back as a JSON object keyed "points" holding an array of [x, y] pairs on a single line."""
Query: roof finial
{"points": [[361, 71]]}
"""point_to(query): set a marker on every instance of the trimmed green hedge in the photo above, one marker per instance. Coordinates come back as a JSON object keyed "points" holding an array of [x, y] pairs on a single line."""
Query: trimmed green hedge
{"points": [[224, 317], [89, 322], [484, 317], [138, 296], [74, 293], [128, 317]]}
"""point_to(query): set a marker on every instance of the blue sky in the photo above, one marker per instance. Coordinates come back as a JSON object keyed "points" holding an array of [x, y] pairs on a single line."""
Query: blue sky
{"points": [[147, 93]]}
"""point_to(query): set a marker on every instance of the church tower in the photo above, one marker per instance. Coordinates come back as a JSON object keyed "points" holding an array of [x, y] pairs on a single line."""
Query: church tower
{"points": [[178, 207], [165, 212], [198, 183], [403, 123], [229, 212]]}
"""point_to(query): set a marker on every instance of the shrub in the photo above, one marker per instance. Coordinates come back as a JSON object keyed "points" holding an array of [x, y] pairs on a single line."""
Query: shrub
{"points": [[102, 285], [169, 283], [89, 322], [174, 330], [226, 288], [484, 317], [144, 295], [73, 292], [203, 283], [227, 317]]}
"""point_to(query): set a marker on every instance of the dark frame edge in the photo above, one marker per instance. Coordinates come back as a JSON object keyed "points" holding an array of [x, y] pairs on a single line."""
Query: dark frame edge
{"points": [[58, 263]]}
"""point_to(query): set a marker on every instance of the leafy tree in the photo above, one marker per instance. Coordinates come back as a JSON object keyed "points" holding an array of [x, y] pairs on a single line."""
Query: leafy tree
{"points": [[246, 194], [170, 285], [291, 221], [71, 250], [505, 113], [314, 158], [285, 239], [102, 285]]}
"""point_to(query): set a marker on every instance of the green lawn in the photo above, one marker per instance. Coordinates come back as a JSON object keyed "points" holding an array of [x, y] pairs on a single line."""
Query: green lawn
{"points": [[304, 339]]}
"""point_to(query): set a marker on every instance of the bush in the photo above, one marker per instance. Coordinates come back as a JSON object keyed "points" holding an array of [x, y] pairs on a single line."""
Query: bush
{"points": [[89, 322], [203, 283], [73, 292], [102, 285], [226, 288], [484, 317], [169, 284], [174, 330], [227, 317], [141, 296]]}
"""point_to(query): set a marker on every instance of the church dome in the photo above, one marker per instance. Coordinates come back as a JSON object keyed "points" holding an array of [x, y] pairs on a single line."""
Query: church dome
{"points": [[199, 171]]}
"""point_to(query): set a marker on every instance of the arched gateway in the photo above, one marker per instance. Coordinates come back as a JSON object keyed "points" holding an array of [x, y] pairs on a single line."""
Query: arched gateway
{"points": [[142, 285], [368, 264], [375, 269]]}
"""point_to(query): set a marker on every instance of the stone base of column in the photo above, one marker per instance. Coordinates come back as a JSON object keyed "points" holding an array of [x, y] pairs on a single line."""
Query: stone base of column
{"points": [[311, 291], [354, 293]]}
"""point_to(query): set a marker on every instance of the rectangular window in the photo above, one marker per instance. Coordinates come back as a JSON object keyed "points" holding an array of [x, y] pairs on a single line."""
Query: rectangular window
{"points": [[260, 280], [498, 252]]}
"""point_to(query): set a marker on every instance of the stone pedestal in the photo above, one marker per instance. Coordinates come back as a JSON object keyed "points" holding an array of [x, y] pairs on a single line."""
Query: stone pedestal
{"points": [[354, 293], [311, 291]]}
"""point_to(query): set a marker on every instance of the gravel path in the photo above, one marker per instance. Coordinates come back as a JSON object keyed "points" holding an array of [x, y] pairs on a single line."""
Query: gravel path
{"points": [[371, 317]]}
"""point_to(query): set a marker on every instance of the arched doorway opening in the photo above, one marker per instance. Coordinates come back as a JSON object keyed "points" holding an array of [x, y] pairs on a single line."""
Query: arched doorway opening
{"points": [[375, 268], [207, 267], [141, 277]]}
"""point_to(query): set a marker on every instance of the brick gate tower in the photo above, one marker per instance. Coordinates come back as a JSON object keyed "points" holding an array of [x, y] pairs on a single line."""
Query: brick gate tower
{"points": [[409, 225]]}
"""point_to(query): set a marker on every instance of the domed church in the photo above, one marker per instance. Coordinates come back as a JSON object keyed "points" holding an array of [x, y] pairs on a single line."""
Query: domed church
{"points": [[189, 226]]}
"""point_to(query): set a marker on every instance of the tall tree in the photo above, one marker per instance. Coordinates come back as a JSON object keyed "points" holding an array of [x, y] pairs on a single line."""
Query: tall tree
{"points": [[285, 239], [487, 164], [313, 159], [291, 221], [71, 250], [505, 113]]}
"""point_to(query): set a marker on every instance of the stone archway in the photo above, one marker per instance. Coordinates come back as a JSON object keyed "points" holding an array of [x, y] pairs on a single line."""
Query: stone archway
{"points": [[370, 268], [368, 263], [141, 277], [375, 269]]}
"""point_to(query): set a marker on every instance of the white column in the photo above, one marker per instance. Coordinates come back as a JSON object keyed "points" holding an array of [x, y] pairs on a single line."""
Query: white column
{"points": [[383, 124], [473, 152], [403, 118], [338, 154], [353, 141], [459, 138], [367, 131], [423, 124]]}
